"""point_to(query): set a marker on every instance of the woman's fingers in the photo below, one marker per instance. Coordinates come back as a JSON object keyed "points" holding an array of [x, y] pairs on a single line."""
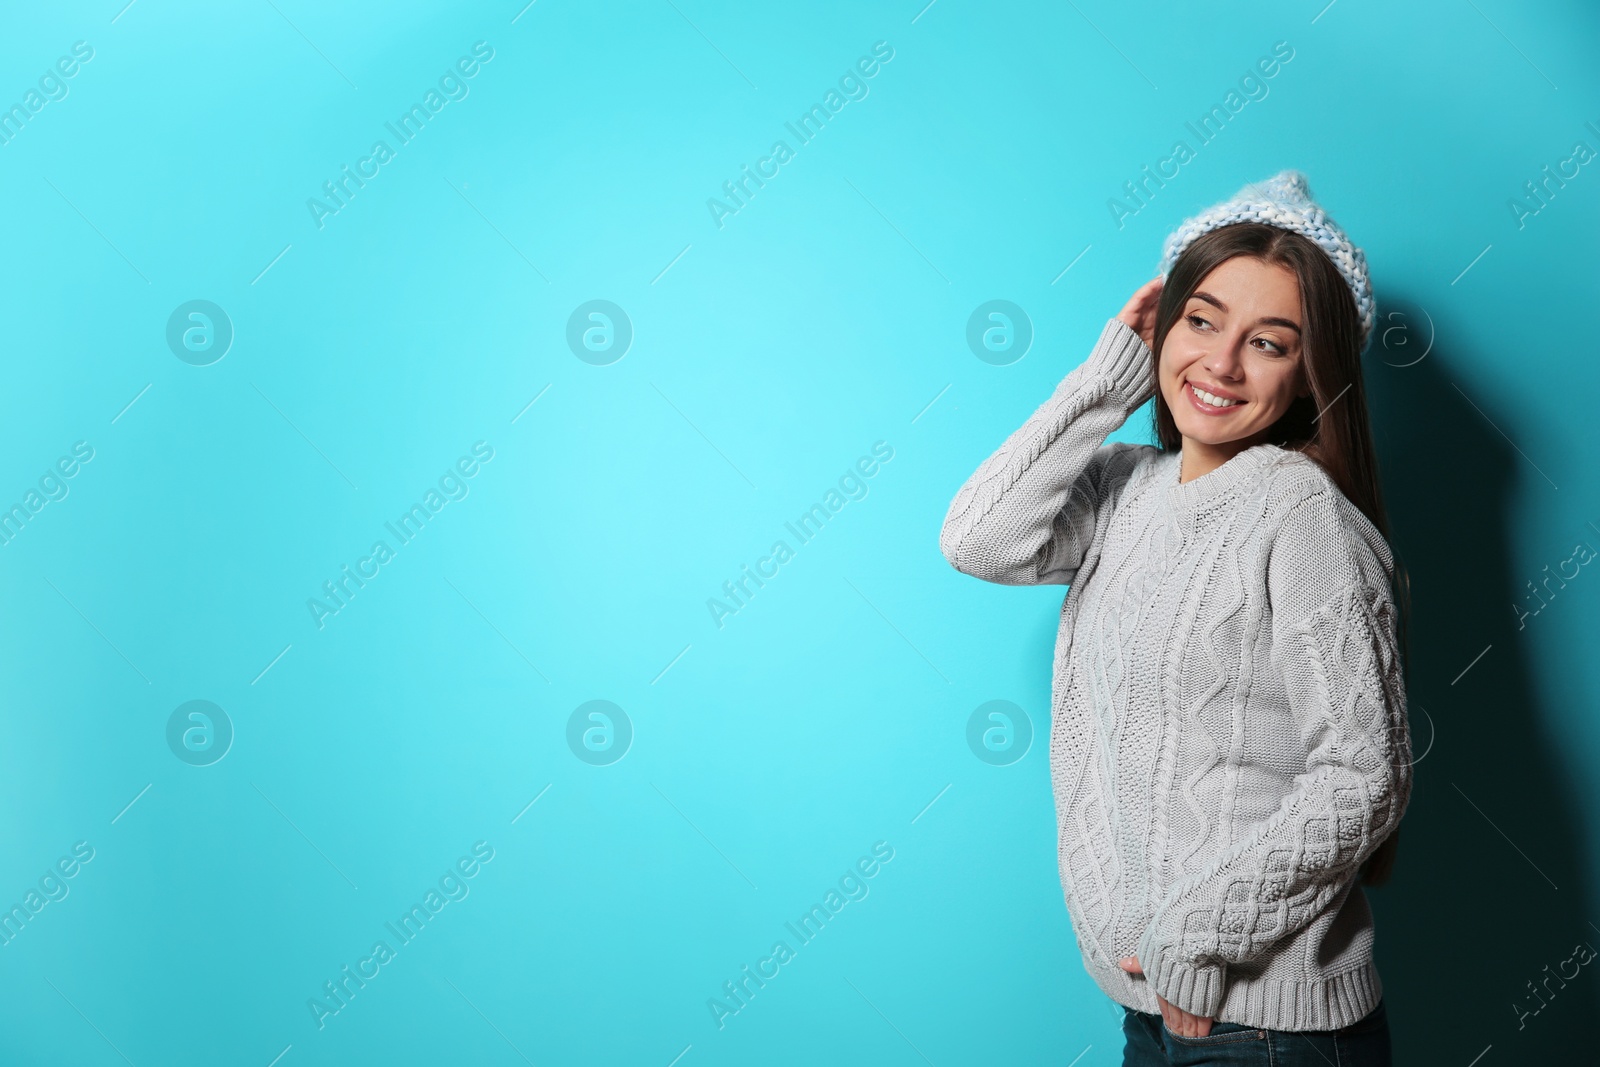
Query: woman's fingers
{"points": [[1181, 1022], [1142, 296], [1139, 314], [1152, 304]]}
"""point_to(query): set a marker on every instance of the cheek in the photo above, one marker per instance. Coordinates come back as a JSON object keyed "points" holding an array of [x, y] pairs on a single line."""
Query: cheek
{"points": [[1176, 358], [1279, 384]]}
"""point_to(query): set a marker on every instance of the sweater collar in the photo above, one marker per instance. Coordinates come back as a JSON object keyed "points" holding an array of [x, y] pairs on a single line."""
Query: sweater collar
{"points": [[1239, 469]]}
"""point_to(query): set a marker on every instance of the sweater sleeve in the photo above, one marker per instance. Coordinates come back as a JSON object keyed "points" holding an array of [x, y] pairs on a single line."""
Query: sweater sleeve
{"points": [[1026, 515], [1333, 642]]}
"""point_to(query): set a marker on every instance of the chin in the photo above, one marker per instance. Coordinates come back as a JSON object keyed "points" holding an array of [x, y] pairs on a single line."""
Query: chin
{"points": [[1209, 435]]}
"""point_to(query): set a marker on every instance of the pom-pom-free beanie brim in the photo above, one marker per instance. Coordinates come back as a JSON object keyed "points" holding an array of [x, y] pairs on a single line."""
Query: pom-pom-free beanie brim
{"points": [[1284, 201]]}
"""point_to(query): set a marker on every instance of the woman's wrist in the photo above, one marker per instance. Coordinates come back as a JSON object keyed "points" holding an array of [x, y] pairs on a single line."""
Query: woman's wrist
{"points": [[1121, 358]]}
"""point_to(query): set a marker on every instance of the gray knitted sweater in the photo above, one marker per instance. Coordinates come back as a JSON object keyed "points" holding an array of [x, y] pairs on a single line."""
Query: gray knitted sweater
{"points": [[1229, 737]]}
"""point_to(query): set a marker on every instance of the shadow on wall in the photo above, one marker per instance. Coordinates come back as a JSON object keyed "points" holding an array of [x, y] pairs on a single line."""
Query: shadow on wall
{"points": [[1483, 930]]}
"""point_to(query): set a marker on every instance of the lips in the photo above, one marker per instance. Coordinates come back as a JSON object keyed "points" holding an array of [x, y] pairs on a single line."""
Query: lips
{"points": [[1209, 409]]}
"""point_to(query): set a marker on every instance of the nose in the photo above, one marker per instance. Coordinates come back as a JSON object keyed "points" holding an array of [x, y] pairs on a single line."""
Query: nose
{"points": [[1224, 361]]}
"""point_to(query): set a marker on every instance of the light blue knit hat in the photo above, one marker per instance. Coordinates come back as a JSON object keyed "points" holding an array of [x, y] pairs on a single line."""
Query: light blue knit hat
{"points": [[1284, 200]]}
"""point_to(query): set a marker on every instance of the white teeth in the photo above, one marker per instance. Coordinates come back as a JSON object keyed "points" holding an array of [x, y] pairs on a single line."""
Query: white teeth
{"points": [[1214, 401]]}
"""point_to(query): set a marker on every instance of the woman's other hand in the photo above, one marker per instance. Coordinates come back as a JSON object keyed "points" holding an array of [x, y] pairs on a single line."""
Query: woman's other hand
{"points": [[1140, 313], [1178, 1021]]}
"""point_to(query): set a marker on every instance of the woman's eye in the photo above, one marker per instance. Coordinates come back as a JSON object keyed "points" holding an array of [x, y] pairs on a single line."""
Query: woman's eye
{"points": [[1196, 321], [1270, 346]]}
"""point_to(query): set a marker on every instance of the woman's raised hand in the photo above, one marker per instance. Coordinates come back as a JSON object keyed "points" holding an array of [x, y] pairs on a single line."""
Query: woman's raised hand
{"points": [[1140, 312]]}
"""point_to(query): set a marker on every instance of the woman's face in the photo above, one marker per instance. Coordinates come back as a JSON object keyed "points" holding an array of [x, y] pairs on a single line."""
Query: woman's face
{"points": [[1237, 341]]}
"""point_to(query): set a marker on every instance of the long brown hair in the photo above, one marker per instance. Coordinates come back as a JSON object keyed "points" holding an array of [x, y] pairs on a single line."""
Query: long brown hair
{"points": [[1331, 425]]}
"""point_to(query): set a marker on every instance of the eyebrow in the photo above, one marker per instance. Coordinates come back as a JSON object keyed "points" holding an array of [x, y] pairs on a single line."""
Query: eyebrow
{"points": [[1271, 320]]}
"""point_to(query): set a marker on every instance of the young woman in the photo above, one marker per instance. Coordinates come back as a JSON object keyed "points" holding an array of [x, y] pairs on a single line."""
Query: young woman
{"points": [[1229, 746]]}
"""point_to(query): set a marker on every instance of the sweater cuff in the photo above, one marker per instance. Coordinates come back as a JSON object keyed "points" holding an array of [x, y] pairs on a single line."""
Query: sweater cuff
{"points": [[1197, 988], [1122, 359]]}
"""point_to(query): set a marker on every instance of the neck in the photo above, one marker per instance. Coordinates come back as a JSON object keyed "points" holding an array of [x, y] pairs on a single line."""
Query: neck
{"points": [[1199, 458]]}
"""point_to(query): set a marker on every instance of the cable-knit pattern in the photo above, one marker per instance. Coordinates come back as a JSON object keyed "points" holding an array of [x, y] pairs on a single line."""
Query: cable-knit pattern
{"points": [[1086, 406], [1228, 731]]}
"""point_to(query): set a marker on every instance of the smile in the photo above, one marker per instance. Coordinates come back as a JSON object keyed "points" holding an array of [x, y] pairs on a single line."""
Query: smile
{"points": [[1208, 403]]}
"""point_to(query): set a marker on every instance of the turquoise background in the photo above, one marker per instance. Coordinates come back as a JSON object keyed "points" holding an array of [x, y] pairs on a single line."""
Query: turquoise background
{"points": [[768, 354]]}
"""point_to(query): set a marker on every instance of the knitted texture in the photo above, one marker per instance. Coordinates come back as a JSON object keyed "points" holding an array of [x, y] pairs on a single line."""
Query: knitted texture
{"points": [[1229, 739], [1284, 201]]}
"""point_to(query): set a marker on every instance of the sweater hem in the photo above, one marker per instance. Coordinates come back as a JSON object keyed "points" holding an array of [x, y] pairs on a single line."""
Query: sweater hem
{"points": [[1269, 1003]]}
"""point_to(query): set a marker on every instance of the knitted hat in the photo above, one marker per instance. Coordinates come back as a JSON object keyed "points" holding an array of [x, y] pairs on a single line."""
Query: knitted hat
{"points": [[1284, 201]]}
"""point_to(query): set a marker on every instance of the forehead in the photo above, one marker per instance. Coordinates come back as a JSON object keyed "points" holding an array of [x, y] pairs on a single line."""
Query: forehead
{"points": [[1252, 287]]}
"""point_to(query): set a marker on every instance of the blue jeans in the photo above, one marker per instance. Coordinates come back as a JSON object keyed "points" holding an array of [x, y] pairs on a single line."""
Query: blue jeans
{"points": [[1364, 1043]]}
